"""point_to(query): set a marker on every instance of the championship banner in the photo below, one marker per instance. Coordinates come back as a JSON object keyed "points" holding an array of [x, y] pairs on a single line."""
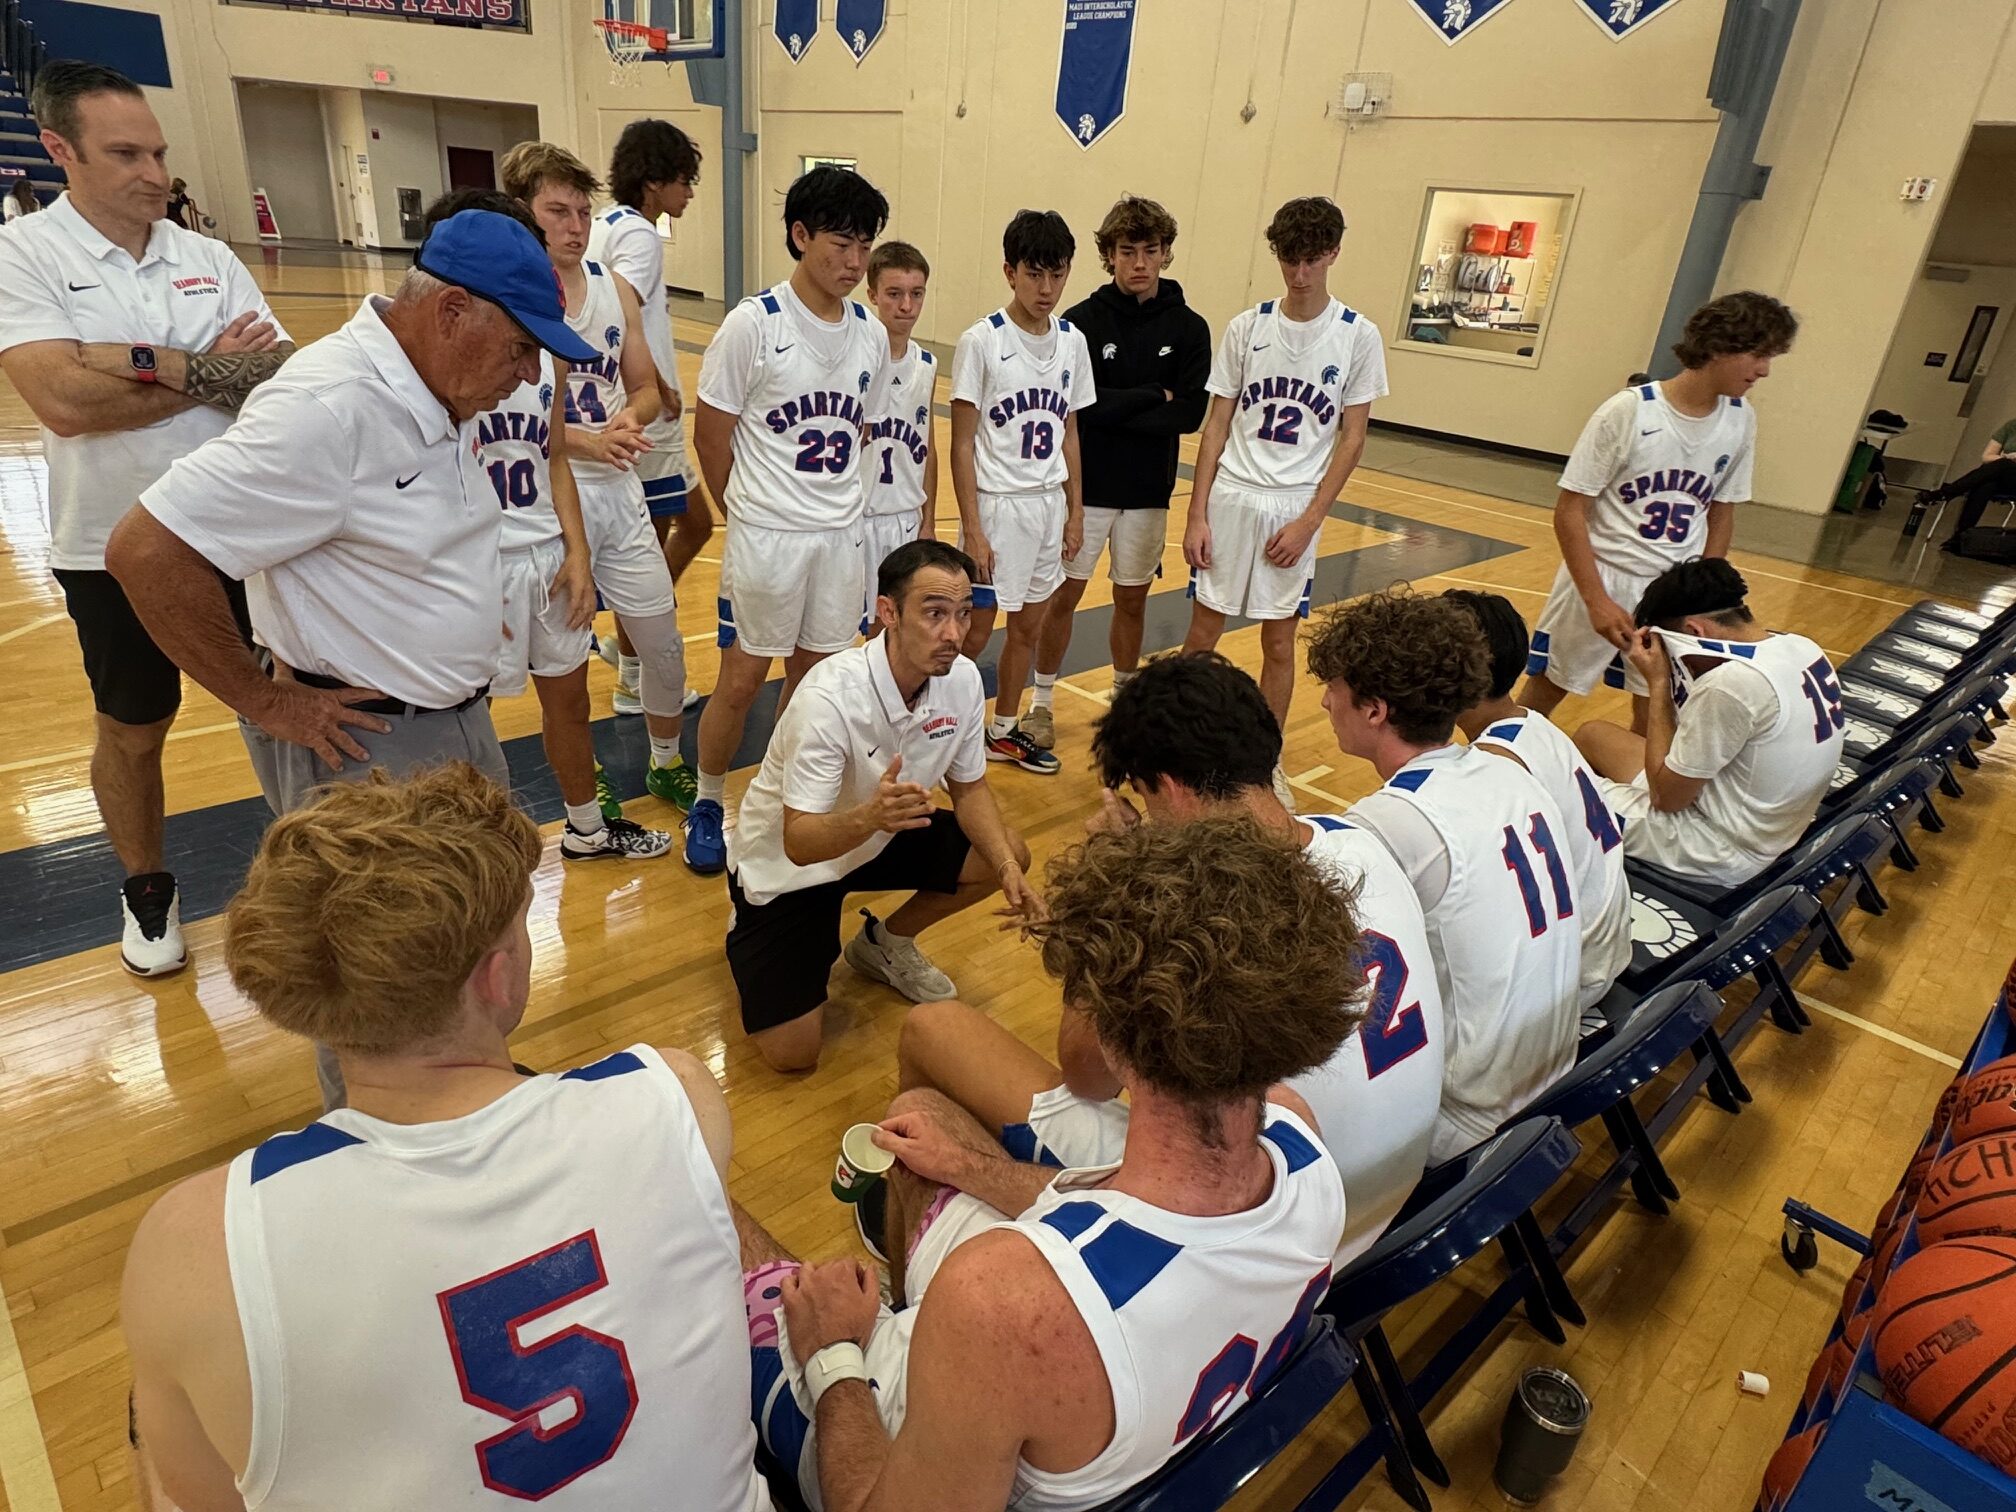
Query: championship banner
{"points": [[1454, 20], [859, 23], [1619, 18], [1092, 67], [795, 26]]}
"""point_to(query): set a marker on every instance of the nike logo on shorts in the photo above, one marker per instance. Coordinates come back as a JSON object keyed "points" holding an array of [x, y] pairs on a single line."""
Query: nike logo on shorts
{"points": [[402, 482]]}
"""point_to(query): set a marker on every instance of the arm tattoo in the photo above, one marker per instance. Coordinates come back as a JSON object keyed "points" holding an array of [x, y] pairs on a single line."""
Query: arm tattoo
{"points": [[225, 380]]}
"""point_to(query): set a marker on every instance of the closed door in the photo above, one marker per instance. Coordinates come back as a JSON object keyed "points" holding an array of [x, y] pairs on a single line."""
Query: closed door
{"points": [[471, 168]]}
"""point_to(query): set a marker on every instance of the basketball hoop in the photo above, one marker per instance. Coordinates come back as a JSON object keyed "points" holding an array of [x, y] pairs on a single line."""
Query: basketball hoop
{"points": [[629, 44]]}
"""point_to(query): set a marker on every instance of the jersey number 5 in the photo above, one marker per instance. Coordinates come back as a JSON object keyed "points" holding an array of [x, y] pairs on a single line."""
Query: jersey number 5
{"points": [[586, 1371]]}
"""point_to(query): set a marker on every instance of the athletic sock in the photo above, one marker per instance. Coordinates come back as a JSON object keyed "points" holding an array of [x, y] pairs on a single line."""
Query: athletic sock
{"points": [[664, 750], [628, 669], [998, 727], [1121, 679], [585, 819], [712, 785], [1046, 689]]}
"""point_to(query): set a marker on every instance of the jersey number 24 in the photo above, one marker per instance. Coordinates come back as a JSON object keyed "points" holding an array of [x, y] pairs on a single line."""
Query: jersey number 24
{"points": [[575, 1368]]}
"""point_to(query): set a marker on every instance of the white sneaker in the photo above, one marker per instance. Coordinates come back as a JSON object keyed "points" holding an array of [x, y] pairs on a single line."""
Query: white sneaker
{"points": [[626, 700], [884, 958], [689, 698], [618, 840], [1283, 791], [151, 945], [606, 649]]}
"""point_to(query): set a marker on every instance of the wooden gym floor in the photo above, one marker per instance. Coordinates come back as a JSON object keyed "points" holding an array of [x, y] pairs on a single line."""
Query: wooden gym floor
{"points": [[110, 1088]]}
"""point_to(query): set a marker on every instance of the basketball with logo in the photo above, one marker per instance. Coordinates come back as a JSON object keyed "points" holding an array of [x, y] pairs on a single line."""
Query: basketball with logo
{"points": [[1970, 1190], [1945, 1343], [1986, 1103]]}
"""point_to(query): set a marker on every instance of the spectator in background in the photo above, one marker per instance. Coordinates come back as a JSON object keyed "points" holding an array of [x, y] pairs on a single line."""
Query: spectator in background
{"points": [[1994, 479], [21, 199]]}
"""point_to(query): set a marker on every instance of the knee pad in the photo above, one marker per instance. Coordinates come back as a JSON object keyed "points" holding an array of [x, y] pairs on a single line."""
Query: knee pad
{"points": [[661, 657]]}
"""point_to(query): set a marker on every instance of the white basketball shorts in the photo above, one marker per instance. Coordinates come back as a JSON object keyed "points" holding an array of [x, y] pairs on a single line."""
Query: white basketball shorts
{"points": [[666, 472], [882, 534], [1027, 534], [1566, 649], [541, 643], [786, 590], [1136, 536], [629, 564], [1240, 579], [1068, 1131]]}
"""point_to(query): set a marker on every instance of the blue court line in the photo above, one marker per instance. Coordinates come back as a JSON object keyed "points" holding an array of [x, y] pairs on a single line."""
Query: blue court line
{"points": [[60, 897]]}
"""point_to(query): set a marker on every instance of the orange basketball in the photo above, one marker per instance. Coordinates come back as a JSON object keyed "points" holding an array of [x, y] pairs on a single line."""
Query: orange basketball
{"points": [[1816, 1378], [1945, 1335], [1942, 1112], [1970, 1190], [1781, 1476], [1987, 1103], [1851, 1294]]}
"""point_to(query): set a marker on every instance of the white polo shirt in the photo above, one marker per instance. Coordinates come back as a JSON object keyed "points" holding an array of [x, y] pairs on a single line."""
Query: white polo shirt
{"points": [[842, 728], [353, 494], [62, 280]]}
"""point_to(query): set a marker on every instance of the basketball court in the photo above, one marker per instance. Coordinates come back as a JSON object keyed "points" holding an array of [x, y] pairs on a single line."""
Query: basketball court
{"points": [[113, 1088]]}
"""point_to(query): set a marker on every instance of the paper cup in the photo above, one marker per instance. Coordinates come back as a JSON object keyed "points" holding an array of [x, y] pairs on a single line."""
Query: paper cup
{"points": [[862, 1163]]}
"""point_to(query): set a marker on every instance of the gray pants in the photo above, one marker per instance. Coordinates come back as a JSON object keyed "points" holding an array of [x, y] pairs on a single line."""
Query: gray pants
{"points": [[290, 774]]}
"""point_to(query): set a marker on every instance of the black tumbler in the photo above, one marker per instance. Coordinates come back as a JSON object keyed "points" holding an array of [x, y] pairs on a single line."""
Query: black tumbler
{"points": [[1544, 1419]]}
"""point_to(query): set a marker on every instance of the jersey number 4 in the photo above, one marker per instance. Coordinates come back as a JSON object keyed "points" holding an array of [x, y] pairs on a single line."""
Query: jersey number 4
{"points": [[1521, 866], [1391, 1032], [584, 1373]]}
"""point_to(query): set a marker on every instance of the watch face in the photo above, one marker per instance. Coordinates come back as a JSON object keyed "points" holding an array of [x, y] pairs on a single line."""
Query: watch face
{"points": [[142, 359]]}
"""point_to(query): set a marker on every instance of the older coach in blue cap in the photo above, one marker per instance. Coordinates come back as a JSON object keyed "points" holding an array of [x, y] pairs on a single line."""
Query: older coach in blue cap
{"points": [[347, 497]]}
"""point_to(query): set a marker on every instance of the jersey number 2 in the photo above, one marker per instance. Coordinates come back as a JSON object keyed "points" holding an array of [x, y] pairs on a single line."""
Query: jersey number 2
{"points": [[1391, 1032], [519, 1382]]}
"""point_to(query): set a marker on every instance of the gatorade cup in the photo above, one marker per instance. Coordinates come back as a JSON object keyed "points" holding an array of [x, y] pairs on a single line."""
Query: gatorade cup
{"points": [[862, 1163]]}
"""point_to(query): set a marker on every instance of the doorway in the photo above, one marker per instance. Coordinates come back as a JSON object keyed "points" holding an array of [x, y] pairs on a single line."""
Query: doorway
{"points": [[472, 168]]}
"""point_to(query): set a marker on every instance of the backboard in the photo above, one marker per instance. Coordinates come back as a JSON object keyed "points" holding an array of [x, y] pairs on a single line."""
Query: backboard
{"points": [[692, 27]]}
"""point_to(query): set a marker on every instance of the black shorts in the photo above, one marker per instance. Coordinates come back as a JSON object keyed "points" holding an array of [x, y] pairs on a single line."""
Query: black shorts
{"points": [[781, 952], [132, 679]]}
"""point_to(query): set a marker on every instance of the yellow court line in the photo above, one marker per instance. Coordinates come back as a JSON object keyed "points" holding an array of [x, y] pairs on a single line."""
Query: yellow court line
{"points": [[34, 624], [1878, 1030], [26, 1475], [1876, 598], [1450, 577]]}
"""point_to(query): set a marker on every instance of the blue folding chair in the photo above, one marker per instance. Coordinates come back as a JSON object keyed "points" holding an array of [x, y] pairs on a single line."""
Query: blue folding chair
{"points": [[1487, 1198], [1207, 1473], [1602, 1084]]}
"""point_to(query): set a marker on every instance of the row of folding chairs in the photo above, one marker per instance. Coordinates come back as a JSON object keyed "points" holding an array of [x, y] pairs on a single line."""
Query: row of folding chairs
{"points": [[1916, 699], [1941, 674]]}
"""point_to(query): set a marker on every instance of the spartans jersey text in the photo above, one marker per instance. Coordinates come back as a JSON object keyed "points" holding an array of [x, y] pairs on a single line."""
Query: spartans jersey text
{"points": [[1292, 390], [830, 402], [1008, 406]]}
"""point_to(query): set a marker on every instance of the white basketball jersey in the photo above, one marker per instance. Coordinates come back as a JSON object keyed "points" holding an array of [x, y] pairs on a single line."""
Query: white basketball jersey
{"points": [[802, 388], [622, 239], [514, 447], [1190, 1314], [1290, 381], [1652, 472], [1025, 388], [1759, 802], [482, 1311], [1506, 942], [899, 434], [595, 388], [1377, 1098], [1595, 840]]}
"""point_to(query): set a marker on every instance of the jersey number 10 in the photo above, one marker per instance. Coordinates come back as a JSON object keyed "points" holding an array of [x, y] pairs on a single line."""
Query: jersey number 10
{"points": [[576, 1367]]}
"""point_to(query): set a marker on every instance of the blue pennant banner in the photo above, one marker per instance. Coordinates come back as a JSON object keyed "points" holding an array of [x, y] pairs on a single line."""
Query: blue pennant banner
{"points": [[796, 25], [1620, 18], [859, 23], [1092, 67], [1454, 20]]}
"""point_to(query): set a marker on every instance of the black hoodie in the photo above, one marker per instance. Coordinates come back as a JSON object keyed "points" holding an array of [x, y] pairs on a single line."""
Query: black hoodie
{"points": [[1127, 440]]}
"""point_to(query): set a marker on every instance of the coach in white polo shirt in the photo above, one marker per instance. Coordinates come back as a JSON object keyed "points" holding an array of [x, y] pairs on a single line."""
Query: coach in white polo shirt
{"points": [[843, 805], [134, 342]]}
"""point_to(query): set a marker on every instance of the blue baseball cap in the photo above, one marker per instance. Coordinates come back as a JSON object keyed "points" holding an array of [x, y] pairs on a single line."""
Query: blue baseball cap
{"points": [[491, 255]]}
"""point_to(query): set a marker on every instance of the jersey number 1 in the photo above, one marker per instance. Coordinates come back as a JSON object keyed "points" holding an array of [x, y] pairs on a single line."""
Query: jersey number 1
{"points": [[586, 1371]]}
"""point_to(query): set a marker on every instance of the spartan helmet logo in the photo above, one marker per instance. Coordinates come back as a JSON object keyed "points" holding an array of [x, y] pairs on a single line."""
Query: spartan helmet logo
{"points": [[1720, 463], [1625, 13], [859, 42], [923, 416], [1087, 128], [1659, 927], [1330, 375], [546, 396], [613, 337], [1067, 379], [797, 45], [1110, 350], [1455, 15], [862, 381]]}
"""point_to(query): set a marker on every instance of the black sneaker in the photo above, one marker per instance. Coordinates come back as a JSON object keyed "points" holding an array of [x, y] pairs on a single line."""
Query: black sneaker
{"points": [[871, 1217], [1018, 746]]}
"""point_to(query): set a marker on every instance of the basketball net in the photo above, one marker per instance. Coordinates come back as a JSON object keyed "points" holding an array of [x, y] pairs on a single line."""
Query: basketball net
{"points": [[629, 44]]}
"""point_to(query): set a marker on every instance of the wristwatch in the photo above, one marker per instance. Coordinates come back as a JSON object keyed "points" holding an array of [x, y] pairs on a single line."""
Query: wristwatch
{"points": [[141, 359], [832, 1365]]}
